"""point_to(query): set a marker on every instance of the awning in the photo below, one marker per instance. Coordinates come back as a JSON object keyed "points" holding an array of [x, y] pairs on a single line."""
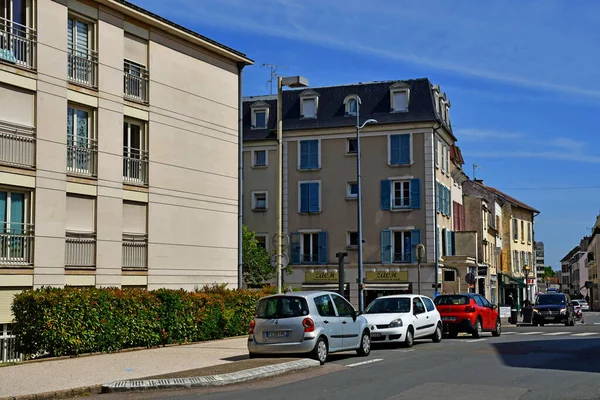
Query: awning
{"points": [[509, 280], [322, 286], [387, 286]]}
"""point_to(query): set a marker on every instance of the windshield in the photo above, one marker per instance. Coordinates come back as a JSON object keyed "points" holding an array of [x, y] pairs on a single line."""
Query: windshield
{"points": [[390, 305], [551, 299], [281, 307], [451, 300]]}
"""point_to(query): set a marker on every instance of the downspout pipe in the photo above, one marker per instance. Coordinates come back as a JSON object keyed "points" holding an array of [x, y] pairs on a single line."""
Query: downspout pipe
{"points": [[435, 219], [240, 280]]}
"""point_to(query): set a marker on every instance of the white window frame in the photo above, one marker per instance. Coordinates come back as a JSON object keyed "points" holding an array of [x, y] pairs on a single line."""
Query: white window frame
{"points": [[393, 194], [349, 244], [348, 152], [316, 256], [256, 110], [260, 192], [76, 17], [306, 98], [26, 205], [320, 196], [253, 160], [406, 232], [349, 195], [347, 101], [395, 108], [266, 236]]}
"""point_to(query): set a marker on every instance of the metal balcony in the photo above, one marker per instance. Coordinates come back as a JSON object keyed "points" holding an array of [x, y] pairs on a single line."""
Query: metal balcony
{"points": [[17, 146], [16, 244], [135, 85], [82, 156], [80, 250], [17, 44], [135, 166], [83, 67], [135, 252]]}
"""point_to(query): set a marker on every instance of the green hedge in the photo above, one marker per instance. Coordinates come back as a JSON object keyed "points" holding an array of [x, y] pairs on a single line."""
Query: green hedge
{"points": [[70, 321]]}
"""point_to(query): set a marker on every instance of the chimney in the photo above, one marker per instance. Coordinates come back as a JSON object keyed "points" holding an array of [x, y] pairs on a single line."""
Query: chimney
{"points": [[478, 181]]}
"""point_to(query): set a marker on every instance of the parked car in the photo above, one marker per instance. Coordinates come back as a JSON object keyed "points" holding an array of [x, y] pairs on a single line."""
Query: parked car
{"points": [[581, 305], [468, 312], [403, 318], [577, 306], [553, 308], [317, 323]]}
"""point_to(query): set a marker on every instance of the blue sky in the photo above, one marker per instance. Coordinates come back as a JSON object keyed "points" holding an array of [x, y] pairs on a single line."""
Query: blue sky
{"points": [[522, 77]]}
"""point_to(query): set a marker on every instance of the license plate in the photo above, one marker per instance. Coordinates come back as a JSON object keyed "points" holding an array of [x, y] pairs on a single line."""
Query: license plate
{"points": [[277, 334], [448, 318], [549, 317], [375, 334]]}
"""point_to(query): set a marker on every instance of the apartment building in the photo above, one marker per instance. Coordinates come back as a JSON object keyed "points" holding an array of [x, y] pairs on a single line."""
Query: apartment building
{"points": [[406, 182], [540, 265], [567, 270], [592, 266], [118, 149]]}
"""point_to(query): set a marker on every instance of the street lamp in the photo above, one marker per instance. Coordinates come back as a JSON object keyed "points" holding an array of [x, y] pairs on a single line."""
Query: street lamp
{"points": [[361, 300], [526, 270], [292, 82]]}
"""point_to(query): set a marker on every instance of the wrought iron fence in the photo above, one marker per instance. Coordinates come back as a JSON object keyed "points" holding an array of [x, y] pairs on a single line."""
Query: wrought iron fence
{"points": [[135, 251], [135, 82], [82, 155], [135, 166], [83, 67], [80, 250], [8, 345], [16, 243], [17, 44], [17, 146]]}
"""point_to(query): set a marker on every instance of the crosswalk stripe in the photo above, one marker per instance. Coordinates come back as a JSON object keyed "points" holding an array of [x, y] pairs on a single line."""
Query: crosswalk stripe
{"points": [[508, 333], [556, 333], [529, 333], [364, 362], [585, 334], [476, 340]]}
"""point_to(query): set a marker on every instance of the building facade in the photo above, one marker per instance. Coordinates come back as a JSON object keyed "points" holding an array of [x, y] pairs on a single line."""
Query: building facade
{"points": [[566, 269], [592, 266], [118, 149], [407, 183], [540, 265]]}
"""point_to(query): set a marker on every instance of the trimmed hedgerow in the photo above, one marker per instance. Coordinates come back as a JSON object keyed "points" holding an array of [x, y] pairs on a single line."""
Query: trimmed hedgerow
{"points": [[70, 321]]}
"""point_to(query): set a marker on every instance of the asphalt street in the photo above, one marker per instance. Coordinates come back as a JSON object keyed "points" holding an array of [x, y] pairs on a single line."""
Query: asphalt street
{"points": [[550, 362]]}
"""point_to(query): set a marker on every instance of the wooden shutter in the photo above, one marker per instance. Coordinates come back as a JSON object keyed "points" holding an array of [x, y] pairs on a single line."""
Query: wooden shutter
{"points": [[415, 193], [386, 200], [386, 247], [323, 248]]}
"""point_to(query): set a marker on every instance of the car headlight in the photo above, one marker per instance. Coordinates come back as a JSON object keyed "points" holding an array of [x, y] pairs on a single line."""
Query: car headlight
{"points": [[396, 323], [564, 310], [535, 310]]}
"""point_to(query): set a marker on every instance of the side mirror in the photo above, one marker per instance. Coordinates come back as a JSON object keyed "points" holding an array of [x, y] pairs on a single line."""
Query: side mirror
{"points": [[494, 306]]}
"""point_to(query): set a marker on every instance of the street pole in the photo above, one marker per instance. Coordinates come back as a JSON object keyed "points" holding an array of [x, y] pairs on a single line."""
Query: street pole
{"points": [[361, 300], [279, 181], [341, 273], [420, 249]]}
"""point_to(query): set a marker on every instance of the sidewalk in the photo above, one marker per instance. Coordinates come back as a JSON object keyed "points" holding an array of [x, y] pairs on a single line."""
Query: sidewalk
{"points": [[87, 371]]}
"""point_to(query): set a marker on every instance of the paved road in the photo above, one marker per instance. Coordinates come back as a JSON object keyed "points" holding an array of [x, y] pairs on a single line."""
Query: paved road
{"points": [[550, 362]]}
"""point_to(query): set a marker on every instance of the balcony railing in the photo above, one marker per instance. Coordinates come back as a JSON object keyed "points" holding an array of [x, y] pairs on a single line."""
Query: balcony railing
{"points": [[83, 67], [135, 166], [80, 250], [17, 44], [82, 156], [135, 82], [16, 244], [17, 146], [8, 345], [135, 251]]}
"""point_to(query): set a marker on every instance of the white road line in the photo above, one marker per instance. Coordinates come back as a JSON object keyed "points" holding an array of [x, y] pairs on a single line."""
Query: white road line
{"points": [[476, 340], [585, 334], [596, 323], [364, 362], [529, 333], [508, 333], [403, 350], [556, 333]]}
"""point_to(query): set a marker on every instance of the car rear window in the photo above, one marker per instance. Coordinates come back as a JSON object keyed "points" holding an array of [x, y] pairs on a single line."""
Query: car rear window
{"points": [[451, 300], [281, 307]]}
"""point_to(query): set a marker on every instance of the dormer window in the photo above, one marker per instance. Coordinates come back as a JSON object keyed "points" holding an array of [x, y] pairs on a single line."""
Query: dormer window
{"points": [[436, 96], [350, 105], [399, 97], [260, 115], [309, 104]]}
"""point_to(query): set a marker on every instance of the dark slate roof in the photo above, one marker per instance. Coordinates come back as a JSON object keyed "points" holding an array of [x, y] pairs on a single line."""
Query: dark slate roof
{"points": [[181, 28], [570, 254], [375, 103], [512, 200]]}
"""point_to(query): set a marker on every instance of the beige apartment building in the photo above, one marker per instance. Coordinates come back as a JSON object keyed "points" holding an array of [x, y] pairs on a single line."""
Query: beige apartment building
{"points": [[406, 182], [118, 149]]}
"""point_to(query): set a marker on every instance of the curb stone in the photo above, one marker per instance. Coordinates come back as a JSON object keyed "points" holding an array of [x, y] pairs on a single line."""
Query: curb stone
{"points": [[210, 380], [59, 394]]}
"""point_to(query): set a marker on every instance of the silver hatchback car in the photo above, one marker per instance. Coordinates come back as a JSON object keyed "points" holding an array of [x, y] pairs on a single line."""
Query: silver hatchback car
{"points": [[317, 323]]}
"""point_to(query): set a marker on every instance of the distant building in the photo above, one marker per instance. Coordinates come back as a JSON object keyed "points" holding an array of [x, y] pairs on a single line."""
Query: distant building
{"points": [[539, 265]]}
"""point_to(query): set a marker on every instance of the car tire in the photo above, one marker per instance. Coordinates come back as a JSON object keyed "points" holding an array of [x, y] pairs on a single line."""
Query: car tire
{"points": [[437, 335], [321, 350], [477, 330], [365, 344], [409, 341], [498, 331]]}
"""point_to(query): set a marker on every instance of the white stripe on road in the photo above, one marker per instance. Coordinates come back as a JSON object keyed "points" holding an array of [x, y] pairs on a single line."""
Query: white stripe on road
{"points": [[585, 334], [403, 350], [508, 333], [476, 340], [364, 362], [596, 323], [556, 333], [529, 333]]}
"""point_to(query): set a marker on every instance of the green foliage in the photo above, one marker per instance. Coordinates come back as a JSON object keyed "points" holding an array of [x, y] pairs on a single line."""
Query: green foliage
{"points": [[256, 262], [73, 321], [549, 272]]}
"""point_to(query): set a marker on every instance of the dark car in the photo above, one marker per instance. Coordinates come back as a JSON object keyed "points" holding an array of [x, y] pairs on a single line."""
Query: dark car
{"points": [[553, 308]]}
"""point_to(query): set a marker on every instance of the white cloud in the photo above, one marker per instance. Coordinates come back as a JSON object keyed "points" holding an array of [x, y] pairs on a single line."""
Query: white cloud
{"points": [[481, 134], [545, 154]]}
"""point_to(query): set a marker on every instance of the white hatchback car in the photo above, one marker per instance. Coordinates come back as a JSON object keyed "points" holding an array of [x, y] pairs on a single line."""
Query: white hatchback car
{"points": [[402, 319]]}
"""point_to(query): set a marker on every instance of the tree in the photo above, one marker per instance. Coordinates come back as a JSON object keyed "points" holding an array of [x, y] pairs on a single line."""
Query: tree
{"points": [[549, 272], [256, 263]]}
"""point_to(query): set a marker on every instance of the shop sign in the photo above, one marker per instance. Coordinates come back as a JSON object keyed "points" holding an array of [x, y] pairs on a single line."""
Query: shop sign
{"points": [[482, 270], [382, 276], [321, 276]]}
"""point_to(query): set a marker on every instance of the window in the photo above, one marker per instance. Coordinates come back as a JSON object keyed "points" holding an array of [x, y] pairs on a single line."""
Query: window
{"points": [[529, 232], [515, 229], [399, 148], [522, 231], [310, 197], [16, 32], [325, 306], [402, 247], [351, 190], [260, 119], [344, 309], [261, 238], [135, 157], [351, 146], [310, 248], [309, 108], [428, 303], [400, 101], [352, 239], [281, 307], [15, 233], [259, 158], [259, 201], [136, 81], [443, 157], [309, 154], [436, 151], [351, 107], [449, 276], [82, 60], [81, 146], [401, 194], [498, 226], [418, 307]]}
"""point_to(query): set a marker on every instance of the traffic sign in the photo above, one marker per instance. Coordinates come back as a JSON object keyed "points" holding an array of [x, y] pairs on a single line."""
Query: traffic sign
{"points": [[470, 278], [285, 260], [285, 240]]}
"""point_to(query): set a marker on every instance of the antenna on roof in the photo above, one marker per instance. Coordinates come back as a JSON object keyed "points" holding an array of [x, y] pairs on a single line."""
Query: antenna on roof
{"points": [[273, 74], [474, 167]]}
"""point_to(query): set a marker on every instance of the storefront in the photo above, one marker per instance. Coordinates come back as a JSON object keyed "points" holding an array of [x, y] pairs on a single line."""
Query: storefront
{"points": [[385, 283], [510, 285], [327, 280]]}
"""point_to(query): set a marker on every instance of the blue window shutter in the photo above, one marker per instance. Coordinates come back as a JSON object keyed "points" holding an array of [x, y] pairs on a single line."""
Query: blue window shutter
{"points": [[450, 202], [304, 154], [405, 149], [323, 248], [437, 196], [314, 154], [447, 201], [448, 243], [295, 247], [386, 247], [442, 199], [415, 193], [395, 149], [436, 145], [453, 234], [415, 239], [386, 189], [437, 243], [304, 199], [313, 197]]}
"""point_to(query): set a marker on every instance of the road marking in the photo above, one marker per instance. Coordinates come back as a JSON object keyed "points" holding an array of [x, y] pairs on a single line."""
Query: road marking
{"points": [[585, 334], [596, 323], [508, 333], [476, 340], [529, 333], [403, 350], [364, 362], [556, 333]]}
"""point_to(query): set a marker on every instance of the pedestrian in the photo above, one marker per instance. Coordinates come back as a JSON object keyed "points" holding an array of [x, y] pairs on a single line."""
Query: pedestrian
{"points": [[587, 298], [510, 301]]}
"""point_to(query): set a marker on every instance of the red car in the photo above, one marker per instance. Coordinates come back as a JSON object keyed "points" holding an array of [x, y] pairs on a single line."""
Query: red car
{"points": [[468, 312]]}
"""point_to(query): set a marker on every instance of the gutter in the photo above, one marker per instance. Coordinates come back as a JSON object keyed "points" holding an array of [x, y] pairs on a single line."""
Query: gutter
{"points": [[240, 280]]}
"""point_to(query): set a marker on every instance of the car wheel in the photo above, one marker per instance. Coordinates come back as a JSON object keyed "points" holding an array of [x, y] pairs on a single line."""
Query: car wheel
{"points": [[410, 338], [253, 355], [365, 345], [478, 330], [321, 350], [498, 330], [437, 335]]}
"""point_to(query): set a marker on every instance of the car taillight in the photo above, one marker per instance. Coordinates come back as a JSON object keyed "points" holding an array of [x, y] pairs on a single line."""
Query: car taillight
{"points": [[252, 325], [308, 324], [469, 309]]}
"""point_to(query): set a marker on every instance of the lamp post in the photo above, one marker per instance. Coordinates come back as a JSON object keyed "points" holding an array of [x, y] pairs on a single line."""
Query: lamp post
{"points": [[420, 249], [292, 82], [361, 300]]}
